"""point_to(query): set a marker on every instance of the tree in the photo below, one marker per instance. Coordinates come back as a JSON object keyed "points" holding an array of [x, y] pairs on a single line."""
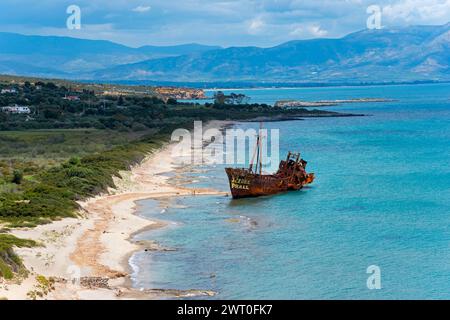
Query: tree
{"points": [[220, 98], [52, 113], [51, 86], [171, 101], [234, 98], [17, 177], [237, 98]]}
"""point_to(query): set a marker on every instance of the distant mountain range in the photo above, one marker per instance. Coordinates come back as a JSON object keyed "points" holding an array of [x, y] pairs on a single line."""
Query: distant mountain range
{"points": [[71, 57], [414, 53]]}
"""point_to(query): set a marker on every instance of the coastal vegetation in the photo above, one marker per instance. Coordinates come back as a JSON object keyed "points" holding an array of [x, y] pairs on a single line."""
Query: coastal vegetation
{"points": [[43, 287], [75, 140], [43, 195], [9, 262]]}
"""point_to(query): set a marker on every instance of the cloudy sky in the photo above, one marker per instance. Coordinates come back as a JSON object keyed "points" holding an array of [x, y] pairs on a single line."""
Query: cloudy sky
{"points": [[217, 22]]}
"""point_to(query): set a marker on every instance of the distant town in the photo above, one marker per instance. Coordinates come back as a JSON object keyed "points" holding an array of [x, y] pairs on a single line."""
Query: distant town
{"points": [[16, 109], [180, 93], [11, 86]]}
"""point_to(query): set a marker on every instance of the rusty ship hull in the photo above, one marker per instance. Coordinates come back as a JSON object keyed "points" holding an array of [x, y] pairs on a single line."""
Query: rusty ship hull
{"points": [[244, 184], [291, 175]]}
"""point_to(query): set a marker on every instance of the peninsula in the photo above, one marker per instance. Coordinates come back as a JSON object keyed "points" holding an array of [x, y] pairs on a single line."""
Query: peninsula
{"points": [[325, 103]]}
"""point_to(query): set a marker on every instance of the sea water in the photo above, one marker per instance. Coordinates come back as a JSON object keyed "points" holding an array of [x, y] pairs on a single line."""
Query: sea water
{"points": [[381, 197]]}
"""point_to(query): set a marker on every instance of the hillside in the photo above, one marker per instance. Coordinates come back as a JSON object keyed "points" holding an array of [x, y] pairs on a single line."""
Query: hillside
{"points": [[416, 53], [52, 56], [407, 54]]}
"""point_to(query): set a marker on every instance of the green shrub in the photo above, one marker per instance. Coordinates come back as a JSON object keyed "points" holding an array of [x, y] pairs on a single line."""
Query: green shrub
{"points": [[54, 192], [17, 177], [10, 263]]}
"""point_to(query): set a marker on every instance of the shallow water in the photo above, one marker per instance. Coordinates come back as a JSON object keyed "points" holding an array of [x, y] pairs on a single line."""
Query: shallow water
{"points": [[382, 197]]}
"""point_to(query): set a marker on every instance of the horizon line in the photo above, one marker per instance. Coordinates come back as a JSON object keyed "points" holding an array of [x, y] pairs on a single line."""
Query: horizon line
{"points": [[221, 46]]}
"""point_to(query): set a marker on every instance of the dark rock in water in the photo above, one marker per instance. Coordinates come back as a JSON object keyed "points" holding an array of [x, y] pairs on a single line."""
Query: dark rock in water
{"points": [[94, 282], [150, 245], [181, 293]]}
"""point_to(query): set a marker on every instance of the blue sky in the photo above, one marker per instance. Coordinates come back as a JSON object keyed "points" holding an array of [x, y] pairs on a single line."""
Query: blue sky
{"points": [[217, 22]]}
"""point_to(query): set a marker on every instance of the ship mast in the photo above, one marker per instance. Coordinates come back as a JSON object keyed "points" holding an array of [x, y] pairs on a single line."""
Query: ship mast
{"points": [[260, 148], [258, 153], [253, 157]]}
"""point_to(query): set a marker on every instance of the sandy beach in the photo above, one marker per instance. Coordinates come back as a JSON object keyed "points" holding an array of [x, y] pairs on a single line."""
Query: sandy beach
{"points": [[87, 258]]}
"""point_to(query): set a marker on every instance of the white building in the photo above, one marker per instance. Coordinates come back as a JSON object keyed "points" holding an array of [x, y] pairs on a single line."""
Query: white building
{"points": [[9, 91], [71, 98], [16, 109]]}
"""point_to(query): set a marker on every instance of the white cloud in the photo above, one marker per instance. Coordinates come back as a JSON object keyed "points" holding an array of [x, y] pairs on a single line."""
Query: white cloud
{"points": [[224, 22], [317, 31], [308, 31], [141, 9], [418, 11], [256, 25]]}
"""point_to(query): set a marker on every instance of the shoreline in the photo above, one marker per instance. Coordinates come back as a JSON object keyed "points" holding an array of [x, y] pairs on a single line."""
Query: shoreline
{"points": [[88, 257]]}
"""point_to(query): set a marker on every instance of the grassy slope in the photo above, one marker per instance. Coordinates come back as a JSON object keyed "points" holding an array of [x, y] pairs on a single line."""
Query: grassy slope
{"points": [[9, 262], [52, 193], [70, 169]]}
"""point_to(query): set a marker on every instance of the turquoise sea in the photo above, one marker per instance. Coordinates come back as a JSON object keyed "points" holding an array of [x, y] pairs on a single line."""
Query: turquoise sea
{"points": [[382, 197]]}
